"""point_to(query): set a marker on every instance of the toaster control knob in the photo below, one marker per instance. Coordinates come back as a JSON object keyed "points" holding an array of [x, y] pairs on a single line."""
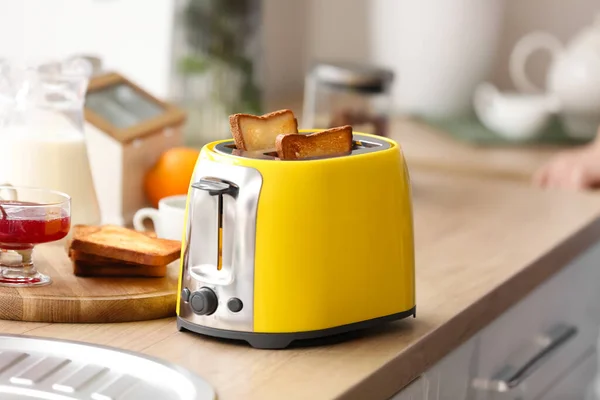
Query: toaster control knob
{"points": [[185, 294], [204, 301]]}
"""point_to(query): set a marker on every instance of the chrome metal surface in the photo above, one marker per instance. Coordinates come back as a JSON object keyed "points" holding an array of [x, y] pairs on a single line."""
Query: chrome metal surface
{"points": [[36, 368], [526, 361], [361, 144], [204, 228], [212, 186], [236, 277]]}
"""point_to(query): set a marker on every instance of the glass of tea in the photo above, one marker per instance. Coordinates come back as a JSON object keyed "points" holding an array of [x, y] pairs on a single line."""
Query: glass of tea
{"points": [[29, 216]]}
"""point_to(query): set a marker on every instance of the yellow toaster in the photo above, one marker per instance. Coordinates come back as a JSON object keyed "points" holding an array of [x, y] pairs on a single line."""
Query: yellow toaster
{"points": [[275, 251]]}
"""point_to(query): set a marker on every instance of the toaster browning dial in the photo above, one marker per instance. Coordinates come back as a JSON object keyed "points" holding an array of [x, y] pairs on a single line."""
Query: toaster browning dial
{"points": [[204, 301]]}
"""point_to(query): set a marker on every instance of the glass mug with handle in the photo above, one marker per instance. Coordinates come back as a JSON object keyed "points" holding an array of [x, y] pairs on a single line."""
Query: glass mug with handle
{"points": [[168, 219]]}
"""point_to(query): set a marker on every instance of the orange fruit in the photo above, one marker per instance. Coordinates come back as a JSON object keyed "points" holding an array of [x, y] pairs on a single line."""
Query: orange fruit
{"points": [[171, 174]]}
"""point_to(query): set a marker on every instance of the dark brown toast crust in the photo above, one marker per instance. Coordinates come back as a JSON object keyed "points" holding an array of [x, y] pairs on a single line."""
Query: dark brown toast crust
{"points": [[76, 255], [236, 132], [88, 269], [125, 255], [337, 141]]}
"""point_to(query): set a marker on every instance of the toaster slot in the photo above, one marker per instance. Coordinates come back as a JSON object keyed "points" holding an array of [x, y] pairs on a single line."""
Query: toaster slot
{"points": [[229, 233], [360, 144], [203, 230], [210, 229], [220, 234]]}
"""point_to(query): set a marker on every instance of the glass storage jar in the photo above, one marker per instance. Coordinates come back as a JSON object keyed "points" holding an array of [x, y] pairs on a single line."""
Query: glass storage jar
{"points": [[348, 94]]}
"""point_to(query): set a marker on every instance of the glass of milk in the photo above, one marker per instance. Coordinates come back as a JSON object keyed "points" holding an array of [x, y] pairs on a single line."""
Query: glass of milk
{"points": [[42, 141]]}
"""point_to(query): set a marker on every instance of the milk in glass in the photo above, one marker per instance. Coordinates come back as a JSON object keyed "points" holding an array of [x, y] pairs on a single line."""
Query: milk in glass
{"points": [[42, 143]]}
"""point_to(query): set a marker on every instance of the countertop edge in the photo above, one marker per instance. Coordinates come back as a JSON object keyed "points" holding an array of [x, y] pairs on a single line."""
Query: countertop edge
{"points": [[407, 366]]}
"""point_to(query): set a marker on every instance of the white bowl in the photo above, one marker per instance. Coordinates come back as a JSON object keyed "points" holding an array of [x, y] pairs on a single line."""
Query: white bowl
{"points": [[514, 116]]}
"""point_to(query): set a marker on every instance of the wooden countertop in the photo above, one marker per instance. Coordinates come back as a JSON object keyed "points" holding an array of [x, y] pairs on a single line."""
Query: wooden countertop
{"points": [[481, 245], [427, 147]]}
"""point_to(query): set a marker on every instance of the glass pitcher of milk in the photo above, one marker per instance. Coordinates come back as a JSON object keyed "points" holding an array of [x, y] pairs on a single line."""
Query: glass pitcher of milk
{"points": [[42, 142]]}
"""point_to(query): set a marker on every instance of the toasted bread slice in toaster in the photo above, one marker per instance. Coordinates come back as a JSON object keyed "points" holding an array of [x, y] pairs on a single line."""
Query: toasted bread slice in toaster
{"points": [[256, 133], [126, 245], [330, 142]]}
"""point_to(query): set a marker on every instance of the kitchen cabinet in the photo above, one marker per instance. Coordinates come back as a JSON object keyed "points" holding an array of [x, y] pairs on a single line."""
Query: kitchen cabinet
{"points": [[556, 325], [543, 348], [450, 379], [576, 384], [416, 390]]}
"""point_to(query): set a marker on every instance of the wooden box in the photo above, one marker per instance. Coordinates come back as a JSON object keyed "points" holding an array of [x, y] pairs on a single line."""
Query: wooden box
{"points": [[127, 130]]}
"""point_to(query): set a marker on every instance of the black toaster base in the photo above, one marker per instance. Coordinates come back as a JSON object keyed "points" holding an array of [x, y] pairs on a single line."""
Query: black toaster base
{"points": [[276, 341]]}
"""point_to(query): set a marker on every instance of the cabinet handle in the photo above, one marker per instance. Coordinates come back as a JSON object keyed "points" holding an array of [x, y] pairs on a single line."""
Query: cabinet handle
{"points": [[527, 361]]}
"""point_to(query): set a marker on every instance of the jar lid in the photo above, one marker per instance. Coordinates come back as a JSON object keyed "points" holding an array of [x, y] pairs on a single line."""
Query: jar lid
{"points": [[95, 62], [358, 76]]}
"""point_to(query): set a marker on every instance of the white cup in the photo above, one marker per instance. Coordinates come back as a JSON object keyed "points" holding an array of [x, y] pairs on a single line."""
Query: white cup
{"points": [[168, 219]]}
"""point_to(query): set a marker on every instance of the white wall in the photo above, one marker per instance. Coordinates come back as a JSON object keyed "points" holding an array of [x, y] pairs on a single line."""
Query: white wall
{"points": [[439, 50], [134, 36], [296, 32], [285, 47], [333, 37], [564, 18], [131, 36]]}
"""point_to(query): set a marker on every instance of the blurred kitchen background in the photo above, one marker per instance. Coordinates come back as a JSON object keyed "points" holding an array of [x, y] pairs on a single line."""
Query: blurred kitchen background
{"points": [[214, 57]]}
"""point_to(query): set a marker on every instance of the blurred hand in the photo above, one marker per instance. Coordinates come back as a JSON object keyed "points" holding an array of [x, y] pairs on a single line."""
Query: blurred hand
{"points": [[574, 170]]}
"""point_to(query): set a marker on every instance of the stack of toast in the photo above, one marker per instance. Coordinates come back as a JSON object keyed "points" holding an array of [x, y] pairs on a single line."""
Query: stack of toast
{"points": [[111, 250], [279, 130]]}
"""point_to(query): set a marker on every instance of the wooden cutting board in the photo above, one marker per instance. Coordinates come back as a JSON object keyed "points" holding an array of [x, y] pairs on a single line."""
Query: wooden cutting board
{"points": [[91, 300]]}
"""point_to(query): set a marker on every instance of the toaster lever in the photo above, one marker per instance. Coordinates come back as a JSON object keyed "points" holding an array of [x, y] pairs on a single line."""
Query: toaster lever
{"points": [[215, 187]]}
